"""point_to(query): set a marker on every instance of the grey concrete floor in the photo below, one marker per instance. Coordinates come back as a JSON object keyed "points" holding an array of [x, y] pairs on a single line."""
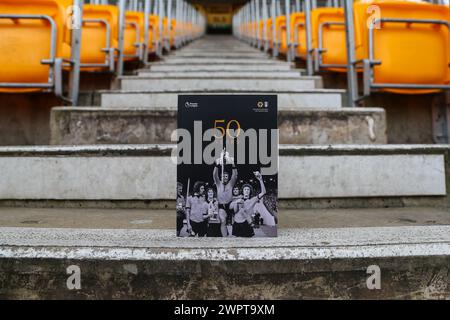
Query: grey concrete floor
{"points": [[165, 219]]}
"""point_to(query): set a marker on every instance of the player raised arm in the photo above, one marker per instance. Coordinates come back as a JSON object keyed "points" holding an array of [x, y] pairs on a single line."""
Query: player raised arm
{"points": [[234, 173], [216, 175], [261, 183]]}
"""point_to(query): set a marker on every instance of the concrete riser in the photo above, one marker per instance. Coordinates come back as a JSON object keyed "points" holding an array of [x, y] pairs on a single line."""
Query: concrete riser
{"points": [[230, 47], [401, 278], [223, 74], [286, 101], [124, 172], [219, 61], [218, 55], [229, 67], [81, 126], [268, 84]]}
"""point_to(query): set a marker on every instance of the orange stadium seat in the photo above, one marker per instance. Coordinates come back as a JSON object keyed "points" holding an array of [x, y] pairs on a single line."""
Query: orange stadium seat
{"points": [[99, 37], [298, 33], [134, 35], [154, 36], [328, 39], [261, 31], [169, 32], [410, 47], [269, 32], [31, 60], [281, 41]]}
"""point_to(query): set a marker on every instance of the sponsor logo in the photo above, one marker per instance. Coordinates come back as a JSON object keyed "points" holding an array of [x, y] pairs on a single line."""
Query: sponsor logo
{"points": [[262, 106], [191, 104]]}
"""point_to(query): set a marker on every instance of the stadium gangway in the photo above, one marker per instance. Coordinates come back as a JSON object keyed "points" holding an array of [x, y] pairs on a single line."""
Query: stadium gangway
{"points": [[28, 64], [262, 23], [172, 16]]}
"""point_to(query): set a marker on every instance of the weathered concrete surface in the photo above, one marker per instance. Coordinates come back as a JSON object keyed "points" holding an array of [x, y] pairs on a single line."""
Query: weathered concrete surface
{"points": [[217, 84], [24, 118], [409, 117], [100, 125], [114, 218], [300, 263], [124, 172], [344, 126], [298, 99]]}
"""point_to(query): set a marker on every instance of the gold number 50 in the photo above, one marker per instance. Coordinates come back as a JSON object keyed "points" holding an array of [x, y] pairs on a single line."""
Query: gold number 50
{"points": [[220, 125]]}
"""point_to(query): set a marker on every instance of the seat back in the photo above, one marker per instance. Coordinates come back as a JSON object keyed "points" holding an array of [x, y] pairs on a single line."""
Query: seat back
{"points": [[410, 53], [269, 32], [333, 36], [94, 39], [172, 34], [167, 30], [153, 34], [298, 33], [253, 30], [280, 23], [25, 43], [261, 30], [134, 33]]}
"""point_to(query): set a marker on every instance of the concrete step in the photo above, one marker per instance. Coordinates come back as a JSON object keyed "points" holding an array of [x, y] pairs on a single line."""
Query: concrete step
{"points": [[216, 61], [219, 84], [153, 264], [101, 125], [163, 219], [219, 49], [309, 176], [220, 67], [298, 99], [147, 73], [219, 55]]}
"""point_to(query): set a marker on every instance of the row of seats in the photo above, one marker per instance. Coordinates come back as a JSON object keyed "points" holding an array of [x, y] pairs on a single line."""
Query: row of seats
{"points": [[401, 46], [36, 39]]}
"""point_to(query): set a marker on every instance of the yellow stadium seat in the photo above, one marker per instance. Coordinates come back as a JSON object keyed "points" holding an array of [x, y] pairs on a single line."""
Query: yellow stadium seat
{"points": [[153, 34], [255, 30], [134, 35], [261, 31], [99, 37], [173, 28], [280, 27], [269, 32], [169, 32], [165, 30], [298, 33], [404, 53], [328, 39], [28, 60]]}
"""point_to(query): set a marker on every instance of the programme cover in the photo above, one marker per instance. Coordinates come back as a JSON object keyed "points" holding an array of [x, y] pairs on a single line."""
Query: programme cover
{"points": [[227, 166]]}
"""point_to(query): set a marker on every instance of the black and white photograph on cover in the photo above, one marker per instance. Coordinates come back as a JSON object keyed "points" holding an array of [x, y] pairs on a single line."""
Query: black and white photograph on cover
{"points": [[231, 190]]}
